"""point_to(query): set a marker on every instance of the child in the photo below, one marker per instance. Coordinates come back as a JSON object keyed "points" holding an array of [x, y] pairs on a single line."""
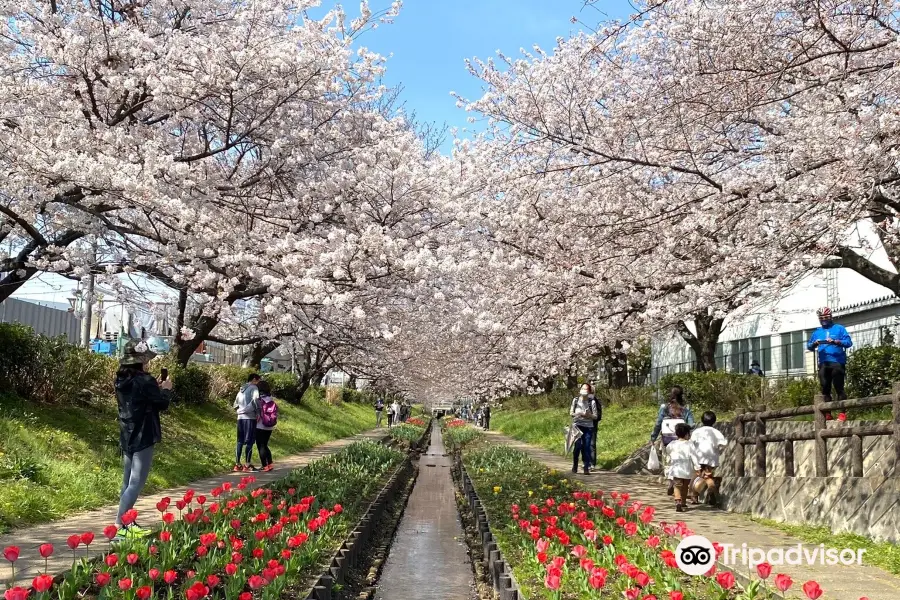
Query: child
{"points": [[268, 419], [707, 442], [680, 464]]}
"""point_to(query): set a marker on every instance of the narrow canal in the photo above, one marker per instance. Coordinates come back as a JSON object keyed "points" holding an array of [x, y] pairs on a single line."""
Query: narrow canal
{"points": [[428, 559]]}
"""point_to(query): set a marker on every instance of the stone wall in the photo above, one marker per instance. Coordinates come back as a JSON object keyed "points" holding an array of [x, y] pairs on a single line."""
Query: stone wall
{"points": [[868, 505]]}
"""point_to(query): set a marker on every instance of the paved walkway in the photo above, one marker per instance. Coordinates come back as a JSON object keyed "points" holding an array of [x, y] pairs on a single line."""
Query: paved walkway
{"points": [[428, 559], [57, 532], [839, 582]]}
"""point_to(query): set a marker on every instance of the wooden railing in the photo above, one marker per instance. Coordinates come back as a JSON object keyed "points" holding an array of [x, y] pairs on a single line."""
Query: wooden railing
{"points": [[819, 433]]}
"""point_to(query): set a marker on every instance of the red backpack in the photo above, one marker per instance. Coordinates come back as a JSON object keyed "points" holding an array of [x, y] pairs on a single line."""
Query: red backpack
{"points": [[269, 412]]}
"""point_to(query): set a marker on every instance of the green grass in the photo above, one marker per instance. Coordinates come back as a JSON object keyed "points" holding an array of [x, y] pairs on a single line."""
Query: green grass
{"points": [[880, 554], [622, 430], [60, 460]]}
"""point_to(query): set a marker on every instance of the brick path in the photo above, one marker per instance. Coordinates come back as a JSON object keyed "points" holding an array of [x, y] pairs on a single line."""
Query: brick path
{"points": [[28, 539], [839, 582]]}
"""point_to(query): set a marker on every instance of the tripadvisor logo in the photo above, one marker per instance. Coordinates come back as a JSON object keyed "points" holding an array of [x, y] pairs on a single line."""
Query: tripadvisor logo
{"points": [[696, 555]]}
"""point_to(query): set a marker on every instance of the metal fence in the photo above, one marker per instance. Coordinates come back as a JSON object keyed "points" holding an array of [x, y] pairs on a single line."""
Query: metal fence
{"points": [[788, 360], [47, 321]]}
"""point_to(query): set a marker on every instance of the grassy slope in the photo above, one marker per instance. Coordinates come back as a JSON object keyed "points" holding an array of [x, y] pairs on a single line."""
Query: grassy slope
{"points": [[622, 431], [56, 461]]}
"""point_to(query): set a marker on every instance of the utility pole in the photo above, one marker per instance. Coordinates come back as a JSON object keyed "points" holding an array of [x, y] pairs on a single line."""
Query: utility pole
{"points": [[88, 301]]}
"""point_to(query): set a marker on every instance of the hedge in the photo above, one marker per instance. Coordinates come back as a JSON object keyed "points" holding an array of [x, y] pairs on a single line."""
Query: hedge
{"points": [[51, 370]]}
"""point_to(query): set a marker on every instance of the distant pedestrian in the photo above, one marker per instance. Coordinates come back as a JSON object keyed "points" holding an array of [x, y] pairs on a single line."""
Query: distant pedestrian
{"points": [[755, 369], [598, 416], [247, 405], [379, 410], [582, 412], [395, 410], [486, 417], [268, 419], [830, 343], [140, 399]]}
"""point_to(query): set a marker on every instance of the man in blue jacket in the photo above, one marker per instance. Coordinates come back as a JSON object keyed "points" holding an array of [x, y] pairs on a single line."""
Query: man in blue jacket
{"points": [[830, 341]]}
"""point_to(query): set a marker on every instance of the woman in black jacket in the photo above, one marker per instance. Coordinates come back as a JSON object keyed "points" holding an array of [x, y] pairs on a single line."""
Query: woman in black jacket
{"points": [[140, 399]]}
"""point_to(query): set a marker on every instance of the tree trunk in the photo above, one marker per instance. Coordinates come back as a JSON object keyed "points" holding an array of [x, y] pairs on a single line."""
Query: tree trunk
{"points": [[618, 367], [549, 382], [572, 377], [184, 349], [259, 351], [703, 343], [14, 280]]}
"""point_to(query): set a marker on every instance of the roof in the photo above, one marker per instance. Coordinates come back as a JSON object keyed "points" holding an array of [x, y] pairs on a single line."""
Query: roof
{"points": [[857, 307]]}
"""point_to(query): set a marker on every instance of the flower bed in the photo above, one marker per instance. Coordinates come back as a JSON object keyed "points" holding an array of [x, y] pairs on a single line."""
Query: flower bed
{"points": [[227, 543], [458, 434], [410, 434], [566, 543]]}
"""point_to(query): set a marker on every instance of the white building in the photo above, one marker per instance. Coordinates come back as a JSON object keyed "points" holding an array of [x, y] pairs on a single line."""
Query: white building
{"points": [[776, 332]]}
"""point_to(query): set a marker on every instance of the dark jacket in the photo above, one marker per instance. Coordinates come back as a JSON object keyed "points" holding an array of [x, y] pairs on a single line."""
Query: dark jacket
{"points": [[140, 402]]}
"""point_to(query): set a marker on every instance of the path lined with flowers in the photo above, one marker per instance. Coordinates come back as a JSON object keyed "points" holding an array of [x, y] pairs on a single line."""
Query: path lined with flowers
{"points": [[839, 582], [59, 533], [428, 559]]}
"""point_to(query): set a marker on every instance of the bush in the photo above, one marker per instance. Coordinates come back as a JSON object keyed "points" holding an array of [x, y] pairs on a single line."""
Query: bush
{"points": [[191, 384], [226, 381], [873, 371], [44, 369], [285, 386], [717, 390]]}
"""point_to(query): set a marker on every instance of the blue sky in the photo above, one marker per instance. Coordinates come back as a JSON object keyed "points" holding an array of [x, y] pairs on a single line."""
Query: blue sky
{"points": [[431, 39]]}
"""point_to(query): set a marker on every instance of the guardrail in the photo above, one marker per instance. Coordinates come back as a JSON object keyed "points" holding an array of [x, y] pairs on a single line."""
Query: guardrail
{"points": [[819, 433]]}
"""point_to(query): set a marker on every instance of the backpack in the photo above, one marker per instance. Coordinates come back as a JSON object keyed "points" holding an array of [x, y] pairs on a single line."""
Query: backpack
{"points": [[269, 413]]}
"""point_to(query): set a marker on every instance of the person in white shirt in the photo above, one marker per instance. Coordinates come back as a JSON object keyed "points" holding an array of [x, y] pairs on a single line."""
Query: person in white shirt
{"points": [[395, 408], [680, 453], [707, 442]]}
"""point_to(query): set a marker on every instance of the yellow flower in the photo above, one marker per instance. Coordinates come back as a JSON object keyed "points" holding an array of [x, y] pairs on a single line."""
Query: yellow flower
{"points": [[497, 489], [565, 481], [530, 493], [553, 471]]}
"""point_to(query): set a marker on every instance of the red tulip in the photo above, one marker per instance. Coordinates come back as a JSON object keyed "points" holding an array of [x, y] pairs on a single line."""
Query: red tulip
{"points": [[163, 505], [73, 541], [338, 509], [170, 576], [103, 579], [812, 590], [256, 582], [597, 578], [607, 540], [46, 550], [165, 536], [143, 593], [201, 500], [112, 560], [132, 559], [198, 591], [632, 594], [42, 583], [553, 579], [246, 596], [653, 541], [231, 569], [842, 417], [676, 595], [212, 581], [11, 553], [726, 579], [16, 593], [168, 518], [129, 517], [579, 551], [783, 582], [642, 580], [125, 584], [764, 570], [87, 538], [110, 531], [153, 574]]}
